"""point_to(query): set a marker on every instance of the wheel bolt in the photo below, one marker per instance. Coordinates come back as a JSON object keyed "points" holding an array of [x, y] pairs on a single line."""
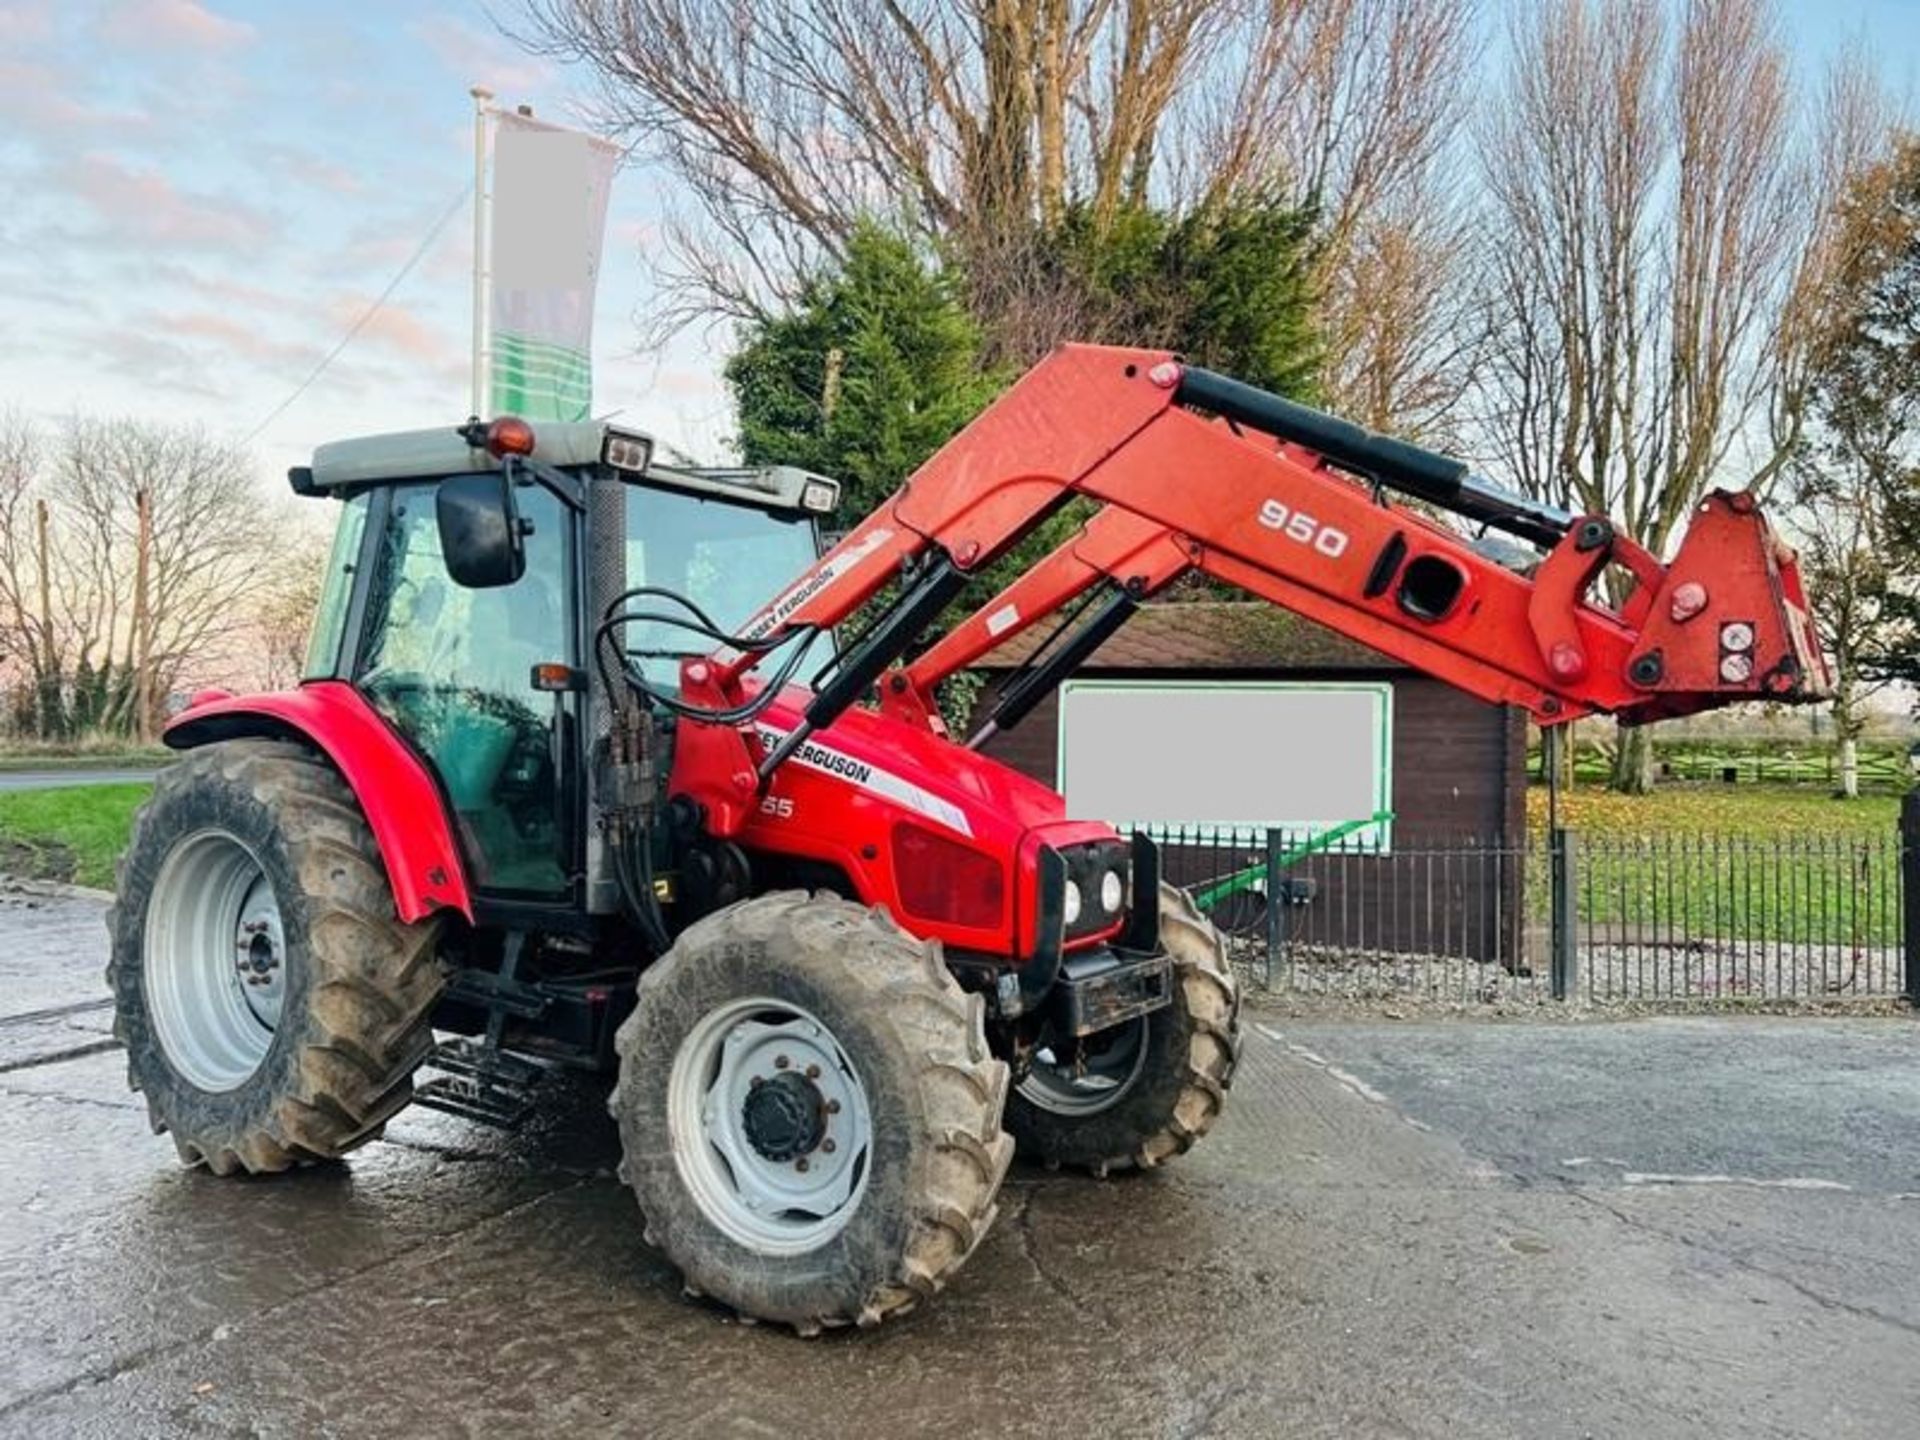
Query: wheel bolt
{"points": [[813, 1072], [833, 1107], [828, 1146], [781, 1062], [755, 1082], [800, 1164]]}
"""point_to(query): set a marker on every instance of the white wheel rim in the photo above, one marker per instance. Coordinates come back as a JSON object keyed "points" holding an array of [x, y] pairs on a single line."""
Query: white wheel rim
{"points": [[1101, 1083], [215, 963], [731, 1146]]}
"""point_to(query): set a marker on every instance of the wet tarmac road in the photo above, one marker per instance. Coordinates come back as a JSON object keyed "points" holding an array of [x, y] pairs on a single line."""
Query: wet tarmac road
{"points": [[1399, 1230], [67, 778]]}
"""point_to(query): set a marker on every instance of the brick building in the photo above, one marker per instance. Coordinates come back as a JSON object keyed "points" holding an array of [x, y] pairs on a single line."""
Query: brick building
{"points": [[1457, 778]]}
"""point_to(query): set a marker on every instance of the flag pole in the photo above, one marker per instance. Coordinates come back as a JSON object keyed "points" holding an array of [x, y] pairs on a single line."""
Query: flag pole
{"points": [[482, 203]]}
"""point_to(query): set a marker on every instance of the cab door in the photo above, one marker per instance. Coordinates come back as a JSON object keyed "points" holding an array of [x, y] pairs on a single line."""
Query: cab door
{"points": [[452, 670]]}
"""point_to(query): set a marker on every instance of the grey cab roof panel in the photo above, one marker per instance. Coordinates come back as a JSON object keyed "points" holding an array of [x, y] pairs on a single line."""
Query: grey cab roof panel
{"points": [[430, 454], [415, 454]]}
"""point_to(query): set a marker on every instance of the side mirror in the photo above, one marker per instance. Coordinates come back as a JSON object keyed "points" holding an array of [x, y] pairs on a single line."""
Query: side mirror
{"points": [[481, 537]]}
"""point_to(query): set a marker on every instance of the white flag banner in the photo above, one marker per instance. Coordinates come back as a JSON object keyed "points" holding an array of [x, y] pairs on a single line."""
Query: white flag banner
{"points": [[548, 217]]}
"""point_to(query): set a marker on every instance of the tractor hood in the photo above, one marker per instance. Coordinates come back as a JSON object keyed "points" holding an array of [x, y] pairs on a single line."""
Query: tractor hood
{"points": [[868, 792], [946, 782]]}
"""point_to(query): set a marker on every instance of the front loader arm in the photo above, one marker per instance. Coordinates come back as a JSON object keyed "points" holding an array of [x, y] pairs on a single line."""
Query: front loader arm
{"points": [[1133, 552], [1198, 471]]}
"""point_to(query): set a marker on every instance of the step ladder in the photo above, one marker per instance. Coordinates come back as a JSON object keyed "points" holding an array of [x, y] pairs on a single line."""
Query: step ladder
{"points": [[478, 1080], [479, 1083]]}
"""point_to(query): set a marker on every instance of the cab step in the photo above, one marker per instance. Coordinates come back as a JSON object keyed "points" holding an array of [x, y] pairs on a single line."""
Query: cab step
{"points": [[480, 1083]]}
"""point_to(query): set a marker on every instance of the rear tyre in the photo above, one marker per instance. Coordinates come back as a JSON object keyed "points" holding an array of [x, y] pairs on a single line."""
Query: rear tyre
{"points": [[809, 1114], [1147, 1090], [272, 1008]]}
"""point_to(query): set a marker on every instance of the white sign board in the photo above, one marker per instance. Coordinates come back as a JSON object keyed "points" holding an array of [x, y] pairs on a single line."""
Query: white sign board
{"points": [[1229, 756]]}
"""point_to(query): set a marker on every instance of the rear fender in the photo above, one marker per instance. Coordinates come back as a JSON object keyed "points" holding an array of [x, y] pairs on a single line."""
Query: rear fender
{"points": [[396, 793]]}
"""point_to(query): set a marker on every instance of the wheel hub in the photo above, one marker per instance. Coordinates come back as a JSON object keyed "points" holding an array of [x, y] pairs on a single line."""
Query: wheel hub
{"points": [[259, 953], [770, 1125], [785, 1117], [215, 960], [1097, 1078]]}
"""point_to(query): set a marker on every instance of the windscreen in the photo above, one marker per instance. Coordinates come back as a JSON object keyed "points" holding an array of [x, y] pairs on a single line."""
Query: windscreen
{"points": [[728, 559]]}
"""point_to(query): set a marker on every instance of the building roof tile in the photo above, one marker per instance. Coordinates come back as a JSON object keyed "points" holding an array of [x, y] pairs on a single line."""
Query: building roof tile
{"points": [[1210, 635]]}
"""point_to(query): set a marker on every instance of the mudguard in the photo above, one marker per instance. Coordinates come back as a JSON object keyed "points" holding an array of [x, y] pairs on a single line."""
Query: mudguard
{"points": [[396, 793]]}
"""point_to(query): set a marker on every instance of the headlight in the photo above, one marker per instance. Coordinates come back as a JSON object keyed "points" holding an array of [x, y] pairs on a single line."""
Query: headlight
{"points": [[1072, 903], [623, 450], [1113, 892]]}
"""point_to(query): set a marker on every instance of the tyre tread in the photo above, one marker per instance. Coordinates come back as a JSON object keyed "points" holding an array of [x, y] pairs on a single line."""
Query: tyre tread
{"points": [[1210, 1005], [904, 981], [350, 1077]]}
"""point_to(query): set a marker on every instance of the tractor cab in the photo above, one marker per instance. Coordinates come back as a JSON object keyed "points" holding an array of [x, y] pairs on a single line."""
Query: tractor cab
{"points": [[461, 596]]}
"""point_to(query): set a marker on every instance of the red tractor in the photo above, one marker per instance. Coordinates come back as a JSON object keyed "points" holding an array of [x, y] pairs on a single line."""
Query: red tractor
{"points": [[551, 791]]}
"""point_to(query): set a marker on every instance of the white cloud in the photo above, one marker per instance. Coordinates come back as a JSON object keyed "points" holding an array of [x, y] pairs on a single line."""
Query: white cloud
{"points": [[146, 207], [25, 22], [50, 105], [482, 57], [183, 24]]}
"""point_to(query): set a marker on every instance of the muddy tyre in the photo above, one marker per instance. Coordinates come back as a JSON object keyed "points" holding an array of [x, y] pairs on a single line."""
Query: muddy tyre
{"points": [[272, 1007], [1153, 1087], [809, 1114]]}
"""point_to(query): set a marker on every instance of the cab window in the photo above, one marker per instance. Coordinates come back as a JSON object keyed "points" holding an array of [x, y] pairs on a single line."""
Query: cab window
{"points": [[728, 559], [451, 669]]}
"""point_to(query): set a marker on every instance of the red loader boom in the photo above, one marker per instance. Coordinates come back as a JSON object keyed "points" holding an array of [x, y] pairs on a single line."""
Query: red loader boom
{"points": [[1198, 472]]}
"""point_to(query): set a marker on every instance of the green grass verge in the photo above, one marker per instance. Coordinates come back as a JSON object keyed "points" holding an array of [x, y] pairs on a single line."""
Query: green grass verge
{"points": [[73, 833], [83, 760], [1736, 863], [1765, 810]]}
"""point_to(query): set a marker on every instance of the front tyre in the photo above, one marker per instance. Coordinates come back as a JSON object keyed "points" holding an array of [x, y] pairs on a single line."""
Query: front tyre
{"points": [[809, 1114], [272, 1008], [1147, 1090]]}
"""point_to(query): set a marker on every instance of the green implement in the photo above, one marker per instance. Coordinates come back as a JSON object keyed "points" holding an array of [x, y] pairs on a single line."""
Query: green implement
{"points": [[1208, 894]]}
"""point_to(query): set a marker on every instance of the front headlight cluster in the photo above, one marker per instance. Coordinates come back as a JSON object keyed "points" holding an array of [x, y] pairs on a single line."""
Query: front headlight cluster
{"points": [[1096, 894]]}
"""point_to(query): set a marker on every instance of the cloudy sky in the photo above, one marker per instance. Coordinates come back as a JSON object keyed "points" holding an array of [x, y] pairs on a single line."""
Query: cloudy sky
{"points": [[200, 198], [201, 195]]}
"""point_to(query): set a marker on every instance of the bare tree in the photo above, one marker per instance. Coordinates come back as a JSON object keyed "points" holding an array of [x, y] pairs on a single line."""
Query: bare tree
{"points": [[1660, 245], [284, 610], [134, 559], [965, 118], [30, 642], [1399, 321], [979, 123], [1860, 155], [19, 465], [162, 545], [1357, 106], [1842, 537], [1857, 470]]}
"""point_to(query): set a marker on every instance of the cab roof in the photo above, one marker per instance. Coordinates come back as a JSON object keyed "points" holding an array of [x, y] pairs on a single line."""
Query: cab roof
{"points": [[433, 454], [422, 454]]}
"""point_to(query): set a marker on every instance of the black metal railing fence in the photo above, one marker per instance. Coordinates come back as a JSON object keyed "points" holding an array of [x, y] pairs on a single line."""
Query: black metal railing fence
{"points": [[1665, 917]]}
